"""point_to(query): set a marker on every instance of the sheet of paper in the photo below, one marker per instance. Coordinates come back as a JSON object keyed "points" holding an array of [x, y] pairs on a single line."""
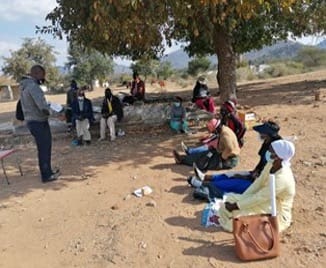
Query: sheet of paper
{"points": [[56, 107]]}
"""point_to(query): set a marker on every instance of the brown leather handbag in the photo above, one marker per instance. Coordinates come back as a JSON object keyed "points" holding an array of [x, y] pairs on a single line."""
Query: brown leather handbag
{"points": [[257, 236]]}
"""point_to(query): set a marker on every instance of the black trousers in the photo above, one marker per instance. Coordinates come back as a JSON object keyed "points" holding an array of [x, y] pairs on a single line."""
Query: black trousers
{"points": [[41, 132]]}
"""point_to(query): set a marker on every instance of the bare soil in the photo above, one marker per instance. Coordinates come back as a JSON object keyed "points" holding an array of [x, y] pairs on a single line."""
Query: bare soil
{"points": [[90, 219]]}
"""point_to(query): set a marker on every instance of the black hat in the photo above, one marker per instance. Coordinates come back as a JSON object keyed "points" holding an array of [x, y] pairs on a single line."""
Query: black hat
{"points": [[268, 128]]}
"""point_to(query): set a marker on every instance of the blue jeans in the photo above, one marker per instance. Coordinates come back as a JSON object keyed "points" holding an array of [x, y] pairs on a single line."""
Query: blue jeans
{"points": [[42, 134], [199, 149], [232, 184]]}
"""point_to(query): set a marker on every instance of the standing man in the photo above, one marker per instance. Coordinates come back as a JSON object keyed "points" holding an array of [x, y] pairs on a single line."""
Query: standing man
{"points": [[36, 113]]}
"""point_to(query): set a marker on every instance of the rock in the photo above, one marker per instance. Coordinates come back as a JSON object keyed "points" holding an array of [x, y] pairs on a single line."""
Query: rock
{"points": [[151, 203], [246, 107], [143, 245], [85, 177], [213, 262], [41, 219], [127, 197], [4, 205], [115, 207], [306, 163], [319, 209]]}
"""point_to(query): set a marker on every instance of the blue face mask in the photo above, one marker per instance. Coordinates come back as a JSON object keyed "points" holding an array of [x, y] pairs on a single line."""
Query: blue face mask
{"points": [[177, 104], [268, 156]]}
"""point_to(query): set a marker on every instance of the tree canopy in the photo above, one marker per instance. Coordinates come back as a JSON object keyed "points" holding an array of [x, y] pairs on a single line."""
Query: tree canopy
{"points": [[225, 28], [32, 51], [87, 65], [198, 64]]}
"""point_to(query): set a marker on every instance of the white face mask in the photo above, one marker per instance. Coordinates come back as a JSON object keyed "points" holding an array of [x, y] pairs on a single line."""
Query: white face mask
{"points": [[177, 104], [80, 98], [268, 157]]}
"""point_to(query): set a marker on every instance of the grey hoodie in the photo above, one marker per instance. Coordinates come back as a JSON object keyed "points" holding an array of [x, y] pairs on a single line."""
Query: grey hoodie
{"points": [[33, 101]]}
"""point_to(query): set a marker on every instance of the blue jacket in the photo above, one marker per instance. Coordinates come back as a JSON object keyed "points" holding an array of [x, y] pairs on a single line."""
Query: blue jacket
{"points": [[86, 113]]}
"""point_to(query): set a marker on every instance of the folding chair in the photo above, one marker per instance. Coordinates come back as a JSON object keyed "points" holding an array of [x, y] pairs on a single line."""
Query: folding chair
{"points": [[3, 155]]}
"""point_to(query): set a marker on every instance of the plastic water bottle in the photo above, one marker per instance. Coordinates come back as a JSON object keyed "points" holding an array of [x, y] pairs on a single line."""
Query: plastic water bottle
{"points": [[121, 132]]}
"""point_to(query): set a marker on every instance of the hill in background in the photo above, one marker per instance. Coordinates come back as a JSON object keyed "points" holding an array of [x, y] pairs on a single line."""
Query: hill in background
{"points": [[281, 50]]}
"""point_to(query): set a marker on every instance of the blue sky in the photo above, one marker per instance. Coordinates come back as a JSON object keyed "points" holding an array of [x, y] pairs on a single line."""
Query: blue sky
{"points": [[19, 17], [17, 21]]}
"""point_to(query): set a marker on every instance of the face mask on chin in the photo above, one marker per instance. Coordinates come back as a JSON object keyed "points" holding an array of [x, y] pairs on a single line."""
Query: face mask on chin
{"points": [[268, 157], [177, 104], [41, 81]]}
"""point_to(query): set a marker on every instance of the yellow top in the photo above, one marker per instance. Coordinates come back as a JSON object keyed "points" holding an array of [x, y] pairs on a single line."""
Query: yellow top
{"points": [[109, 106], [256, 199], [228, 144]]}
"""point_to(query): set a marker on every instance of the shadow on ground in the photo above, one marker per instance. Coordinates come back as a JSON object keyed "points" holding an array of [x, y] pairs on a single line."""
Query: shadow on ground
{"points": [[140, 145]]}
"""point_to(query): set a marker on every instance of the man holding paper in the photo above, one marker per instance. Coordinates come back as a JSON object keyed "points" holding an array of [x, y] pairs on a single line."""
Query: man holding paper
{"points": [[257, 198], [36, 113]]}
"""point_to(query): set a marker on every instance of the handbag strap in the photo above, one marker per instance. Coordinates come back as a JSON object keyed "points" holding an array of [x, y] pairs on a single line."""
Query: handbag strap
{"points": [[245, 229]]}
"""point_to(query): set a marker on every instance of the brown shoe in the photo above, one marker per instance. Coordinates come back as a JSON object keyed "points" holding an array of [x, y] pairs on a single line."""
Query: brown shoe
{"points": [[177, 157]]}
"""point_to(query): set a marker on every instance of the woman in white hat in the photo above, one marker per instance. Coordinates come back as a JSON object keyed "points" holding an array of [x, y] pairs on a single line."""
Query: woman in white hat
{"points": [[201, 96], [256, 199]]}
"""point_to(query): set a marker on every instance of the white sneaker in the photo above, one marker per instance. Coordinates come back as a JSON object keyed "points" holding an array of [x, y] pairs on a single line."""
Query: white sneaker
{"points": [[184, 147], [101, 139], [113, 138], [199, 174], [194, 182]]}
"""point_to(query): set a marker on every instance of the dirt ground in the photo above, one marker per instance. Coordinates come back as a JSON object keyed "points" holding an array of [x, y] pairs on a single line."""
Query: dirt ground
{"points": [[90, 219]]}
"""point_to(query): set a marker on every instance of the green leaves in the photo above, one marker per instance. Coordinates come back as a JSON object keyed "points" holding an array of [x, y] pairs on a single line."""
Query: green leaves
{"points": [[88, 65], [32, 51]]}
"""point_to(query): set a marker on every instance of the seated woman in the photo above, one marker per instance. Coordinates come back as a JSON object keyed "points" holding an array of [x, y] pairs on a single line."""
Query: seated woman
{"points": [[137, 90], [229, 117], [201, 96], [238, 183], [226, 156], [208, 142], [178, 121], [256, 199]]}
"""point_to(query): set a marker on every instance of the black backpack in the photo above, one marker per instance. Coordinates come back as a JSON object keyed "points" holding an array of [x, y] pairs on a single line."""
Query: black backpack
{"points": [[19, 111]]}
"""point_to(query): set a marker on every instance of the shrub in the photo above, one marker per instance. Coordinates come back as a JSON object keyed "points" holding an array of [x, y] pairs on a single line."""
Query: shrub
{"points": [[245, 74], [312, 57], [198, 64]]}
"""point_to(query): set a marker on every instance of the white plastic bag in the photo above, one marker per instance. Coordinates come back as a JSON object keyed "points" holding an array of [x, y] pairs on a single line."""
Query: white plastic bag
{"points": [[210, 212]]}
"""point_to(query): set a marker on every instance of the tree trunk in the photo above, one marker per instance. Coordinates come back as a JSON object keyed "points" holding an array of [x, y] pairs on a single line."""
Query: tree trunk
{"points": [[226, 68]]}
